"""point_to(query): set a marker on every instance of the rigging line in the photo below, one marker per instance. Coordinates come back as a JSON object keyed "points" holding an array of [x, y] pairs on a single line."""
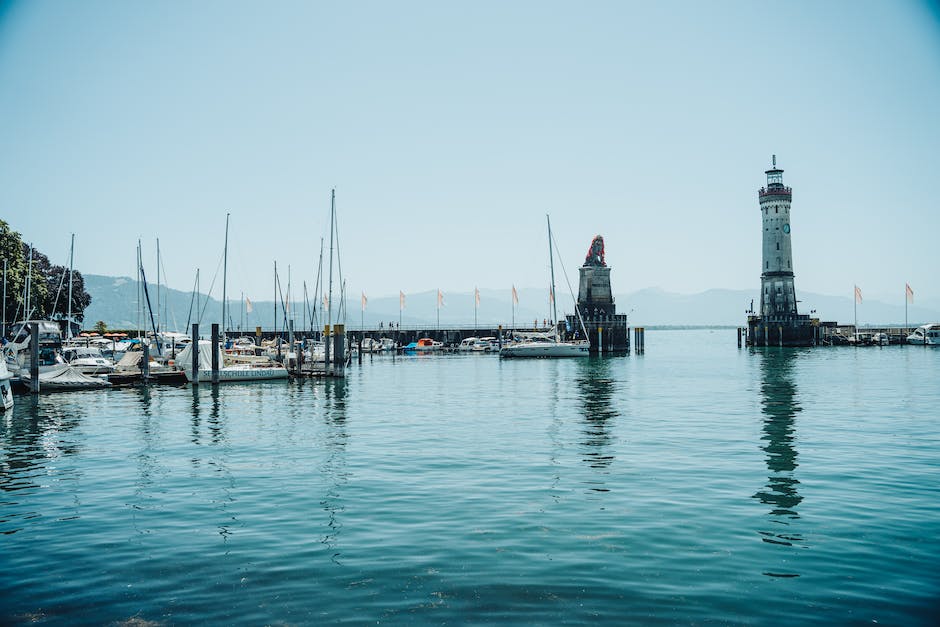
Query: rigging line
{"points": [[570, 291], [57, 294], [189, 315], [167, 300], [59, 291], [280, 294], [339, 269], [209, 293]]}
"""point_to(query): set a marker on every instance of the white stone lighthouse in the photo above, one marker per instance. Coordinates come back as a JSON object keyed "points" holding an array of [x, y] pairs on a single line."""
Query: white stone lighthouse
{"points": [[778, 294]]}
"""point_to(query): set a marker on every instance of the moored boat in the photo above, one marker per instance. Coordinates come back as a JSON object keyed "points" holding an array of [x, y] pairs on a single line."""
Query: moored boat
{"points": [[6, 393], [927, 334]]}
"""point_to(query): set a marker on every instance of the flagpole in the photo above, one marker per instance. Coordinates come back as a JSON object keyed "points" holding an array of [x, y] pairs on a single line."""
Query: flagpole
{"points": [[905, 307], [475, 293], [438, 309], [855, 309]]}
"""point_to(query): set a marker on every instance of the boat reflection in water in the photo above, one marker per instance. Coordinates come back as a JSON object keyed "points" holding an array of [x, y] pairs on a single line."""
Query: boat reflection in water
{"points": [[596, 389], [780, 407], [333, 467]]}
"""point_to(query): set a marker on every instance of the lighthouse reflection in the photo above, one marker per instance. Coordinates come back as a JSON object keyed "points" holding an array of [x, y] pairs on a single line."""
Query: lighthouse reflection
{"points": [[596, 388], [780, 407]]}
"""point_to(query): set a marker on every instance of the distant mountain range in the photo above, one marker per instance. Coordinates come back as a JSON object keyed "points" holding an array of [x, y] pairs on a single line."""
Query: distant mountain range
{"points": [[114, 301]]}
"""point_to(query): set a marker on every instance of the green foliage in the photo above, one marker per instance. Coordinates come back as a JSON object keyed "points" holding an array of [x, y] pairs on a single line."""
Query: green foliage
{"points": [[49, 289], [100, 327]]}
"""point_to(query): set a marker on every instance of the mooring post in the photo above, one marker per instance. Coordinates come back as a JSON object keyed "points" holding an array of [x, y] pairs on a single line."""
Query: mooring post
{"points": [[215, 353], [780, 335], [499, 337], [766, 335], [34, 357], [326, 349], [339, 350], [739, 337], [195, 348], [600, 342], [360, 349], [290, 339], [145, 364]]}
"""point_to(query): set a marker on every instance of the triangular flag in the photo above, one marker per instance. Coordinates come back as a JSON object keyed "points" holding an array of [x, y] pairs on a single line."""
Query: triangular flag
{"points": [[440, 298], [401, 300], [909, 293], [551, 296], [364, 301], [858, 295], [248, 307], [515, 296], [326, 300], [476, 295]]}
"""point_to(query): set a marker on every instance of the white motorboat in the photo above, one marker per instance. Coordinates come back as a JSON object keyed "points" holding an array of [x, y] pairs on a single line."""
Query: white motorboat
{"points": [[880, 339], [553, 346], [927, 335], [6, 394], [386, 344], [87, 360], [467, 344]]}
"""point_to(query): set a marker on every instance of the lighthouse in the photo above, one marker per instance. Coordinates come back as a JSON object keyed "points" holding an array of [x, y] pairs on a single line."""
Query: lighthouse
{"points": [[778, 294], [778, 323]]}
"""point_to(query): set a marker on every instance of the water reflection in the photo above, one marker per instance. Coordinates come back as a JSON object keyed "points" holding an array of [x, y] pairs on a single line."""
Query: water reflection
{"points": [[596, 388], [780, 406], [334, 466], [33, 437]]}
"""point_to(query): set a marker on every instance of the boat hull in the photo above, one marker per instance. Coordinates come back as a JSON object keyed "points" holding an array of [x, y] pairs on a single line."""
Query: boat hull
{"points": [[232, 374], [546, 349]]}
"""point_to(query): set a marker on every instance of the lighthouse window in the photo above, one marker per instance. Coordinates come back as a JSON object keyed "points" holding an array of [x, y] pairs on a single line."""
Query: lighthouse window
{"points": [[776, 209], [778, 245], [767, 263]]}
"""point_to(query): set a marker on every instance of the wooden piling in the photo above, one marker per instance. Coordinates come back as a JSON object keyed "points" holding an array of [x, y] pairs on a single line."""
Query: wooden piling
{"points": [[739, 337], [145, 363], [339, 350], [195, 348], [326, 349], [215, 353], [34, 357]]}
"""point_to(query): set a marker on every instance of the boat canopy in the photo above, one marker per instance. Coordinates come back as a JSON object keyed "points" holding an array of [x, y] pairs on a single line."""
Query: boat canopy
{"points": [[184, 358]]}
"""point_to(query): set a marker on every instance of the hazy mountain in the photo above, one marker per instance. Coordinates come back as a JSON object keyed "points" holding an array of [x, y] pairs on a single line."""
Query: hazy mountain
{"points": [[114, 300]]}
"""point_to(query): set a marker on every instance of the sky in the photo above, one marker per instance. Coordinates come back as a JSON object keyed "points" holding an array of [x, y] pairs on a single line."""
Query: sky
{"points": [[450, 130]]}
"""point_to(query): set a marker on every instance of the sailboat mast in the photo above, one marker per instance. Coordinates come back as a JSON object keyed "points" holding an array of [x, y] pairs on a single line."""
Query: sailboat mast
{"points": [[3, 329], [68, 315], [140, 291], [224, 273], [551, 264], [158, 285], [329, 303]]}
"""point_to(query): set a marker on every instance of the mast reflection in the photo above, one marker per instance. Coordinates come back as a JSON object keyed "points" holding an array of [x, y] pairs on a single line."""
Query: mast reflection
{"points": [[596, 389], [334, 466], [780, 406]]}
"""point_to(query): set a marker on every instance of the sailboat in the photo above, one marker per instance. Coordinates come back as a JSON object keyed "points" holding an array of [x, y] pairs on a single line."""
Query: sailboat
{"points": [[254, 370], [554, 346]]}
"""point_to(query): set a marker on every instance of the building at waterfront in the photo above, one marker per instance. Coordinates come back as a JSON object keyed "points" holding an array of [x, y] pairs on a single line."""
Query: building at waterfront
{"points": [[778, 322]]}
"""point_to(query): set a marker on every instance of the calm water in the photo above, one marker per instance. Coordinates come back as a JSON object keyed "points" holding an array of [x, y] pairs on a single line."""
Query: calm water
{"points": [[698, 483]]}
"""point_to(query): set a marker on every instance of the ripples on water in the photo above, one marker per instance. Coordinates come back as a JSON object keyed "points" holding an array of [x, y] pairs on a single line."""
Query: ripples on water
{"points": [[697, 483]]}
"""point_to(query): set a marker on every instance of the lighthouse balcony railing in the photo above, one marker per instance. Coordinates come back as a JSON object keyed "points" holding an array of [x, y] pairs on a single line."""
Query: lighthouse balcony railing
{"points": [[775, 191]]}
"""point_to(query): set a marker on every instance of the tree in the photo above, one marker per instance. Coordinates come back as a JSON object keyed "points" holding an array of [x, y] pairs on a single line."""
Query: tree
{"points": [[101, 327], [49, 283]]}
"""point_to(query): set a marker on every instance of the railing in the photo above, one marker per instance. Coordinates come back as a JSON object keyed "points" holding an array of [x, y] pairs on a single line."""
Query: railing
{"points": [[768, 191]]}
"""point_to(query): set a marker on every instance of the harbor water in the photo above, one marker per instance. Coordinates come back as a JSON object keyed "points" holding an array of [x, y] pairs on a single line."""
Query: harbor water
{"points": [[698, 483]]}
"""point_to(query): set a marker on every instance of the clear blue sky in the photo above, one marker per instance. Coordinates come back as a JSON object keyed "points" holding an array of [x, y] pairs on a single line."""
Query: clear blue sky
{"points": [[450, 129]]}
